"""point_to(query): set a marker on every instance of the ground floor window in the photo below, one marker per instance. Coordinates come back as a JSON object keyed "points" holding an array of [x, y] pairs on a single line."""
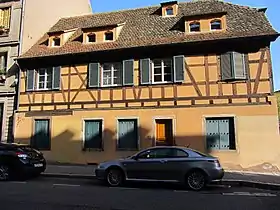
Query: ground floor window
{"points": [[127, 134], [41, 138], [220, 133], [164, 132], [93, 134]]}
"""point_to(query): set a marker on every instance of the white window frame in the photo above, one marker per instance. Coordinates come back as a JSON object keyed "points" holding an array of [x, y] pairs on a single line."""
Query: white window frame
{"points": [[169, 8], [162, 71], [53, 41], [45, 79], [112, 75], [107, 33], [91, 34], [215, 20], [193, 23]]}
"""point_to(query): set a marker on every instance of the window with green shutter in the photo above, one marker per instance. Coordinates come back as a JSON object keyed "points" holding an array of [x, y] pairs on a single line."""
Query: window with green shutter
{"points": [[220, 133], [93, 75], [30, 79], [41, 139], [233, 66], [127, 134], [128, 72], [93, 134]]}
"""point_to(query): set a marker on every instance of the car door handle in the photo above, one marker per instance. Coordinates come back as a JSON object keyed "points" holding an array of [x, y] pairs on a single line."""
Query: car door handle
{"points": [[163, 161]]}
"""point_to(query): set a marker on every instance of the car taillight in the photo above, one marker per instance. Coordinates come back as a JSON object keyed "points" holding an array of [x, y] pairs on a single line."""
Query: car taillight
{"points": [[216, 162], [21, 155]]}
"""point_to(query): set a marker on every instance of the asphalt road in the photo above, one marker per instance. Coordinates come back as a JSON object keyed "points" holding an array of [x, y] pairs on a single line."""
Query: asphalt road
{"points": [[51, 194]]}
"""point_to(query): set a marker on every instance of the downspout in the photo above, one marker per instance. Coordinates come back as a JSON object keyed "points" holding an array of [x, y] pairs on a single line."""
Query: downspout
{"points": [[17, 79]]}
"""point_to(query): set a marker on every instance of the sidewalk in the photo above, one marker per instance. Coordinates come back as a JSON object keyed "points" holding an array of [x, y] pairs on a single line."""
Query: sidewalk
{"points": [[230, 178]]}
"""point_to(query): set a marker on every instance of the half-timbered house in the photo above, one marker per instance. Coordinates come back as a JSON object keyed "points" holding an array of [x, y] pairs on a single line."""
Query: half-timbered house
{"points": [[196, 74]]}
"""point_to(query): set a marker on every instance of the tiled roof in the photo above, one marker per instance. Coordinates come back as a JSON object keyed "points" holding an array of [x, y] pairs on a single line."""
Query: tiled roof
{"points": [[146, 27]]}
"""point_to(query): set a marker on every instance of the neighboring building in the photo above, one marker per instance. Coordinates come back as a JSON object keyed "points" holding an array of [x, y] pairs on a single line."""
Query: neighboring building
{"points": [[22, 23], [103, 86]]}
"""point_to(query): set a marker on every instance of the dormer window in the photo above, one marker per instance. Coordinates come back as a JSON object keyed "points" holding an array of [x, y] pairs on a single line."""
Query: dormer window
{"points": [[169, 11], [91, 37], [216, 25], [109, 36], [56, 41], [195, 27]]}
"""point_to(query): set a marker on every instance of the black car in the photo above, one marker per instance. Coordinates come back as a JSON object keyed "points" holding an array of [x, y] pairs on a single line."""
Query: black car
{"points": [[20, 161]]}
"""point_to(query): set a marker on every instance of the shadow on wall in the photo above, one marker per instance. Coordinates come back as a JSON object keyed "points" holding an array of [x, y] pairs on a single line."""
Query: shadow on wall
{"points": [[65, 148]]}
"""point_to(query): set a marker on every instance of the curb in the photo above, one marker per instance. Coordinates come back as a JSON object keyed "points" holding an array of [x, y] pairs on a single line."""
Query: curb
{"points": [[232, 182], [252, 184], [73, 176]]}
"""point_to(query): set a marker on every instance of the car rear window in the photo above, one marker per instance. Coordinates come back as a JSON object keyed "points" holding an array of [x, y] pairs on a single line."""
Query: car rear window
{"points": [[194, 153]]}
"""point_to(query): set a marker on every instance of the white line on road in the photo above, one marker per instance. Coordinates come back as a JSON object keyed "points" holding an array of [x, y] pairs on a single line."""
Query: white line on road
{"points": [[124, 188], [180, 191], [250, 194], [15, 182], [67, 185]]}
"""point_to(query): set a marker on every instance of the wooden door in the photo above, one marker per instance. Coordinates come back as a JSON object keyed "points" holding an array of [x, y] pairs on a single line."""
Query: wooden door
{"points": [[164, 133]]}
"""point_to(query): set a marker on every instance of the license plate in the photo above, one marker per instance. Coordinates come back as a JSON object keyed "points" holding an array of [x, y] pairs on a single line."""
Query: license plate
{"points": [[38, 165]]}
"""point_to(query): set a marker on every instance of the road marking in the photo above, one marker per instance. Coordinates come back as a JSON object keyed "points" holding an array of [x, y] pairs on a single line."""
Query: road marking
{"points": [[67, 185], [15, 182], [124, 188], [250, 194], [181, 191]]}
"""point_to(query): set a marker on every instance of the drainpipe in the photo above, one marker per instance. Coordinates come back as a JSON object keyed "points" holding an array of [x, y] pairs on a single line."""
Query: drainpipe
{"points": [[17, 79]]}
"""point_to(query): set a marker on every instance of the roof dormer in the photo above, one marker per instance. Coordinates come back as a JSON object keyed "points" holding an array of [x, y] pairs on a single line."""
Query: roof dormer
{"points": [[169, 9]]}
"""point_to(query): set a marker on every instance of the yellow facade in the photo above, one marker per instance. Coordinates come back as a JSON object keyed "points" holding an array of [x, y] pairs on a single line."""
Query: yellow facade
{"points": [[201, 95]]}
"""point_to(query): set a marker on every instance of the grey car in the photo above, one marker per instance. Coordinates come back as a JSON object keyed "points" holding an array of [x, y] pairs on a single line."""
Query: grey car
{"points": [[164, 163]]}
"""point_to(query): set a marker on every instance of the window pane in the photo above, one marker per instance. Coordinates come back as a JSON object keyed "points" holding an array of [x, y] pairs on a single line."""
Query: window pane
{"points": [[216, 25], [107, 66], [157, 78], [169, 11], [107, 78], [41, 85], [167, 78], [157, 70], [194, 27], [157, 63]]}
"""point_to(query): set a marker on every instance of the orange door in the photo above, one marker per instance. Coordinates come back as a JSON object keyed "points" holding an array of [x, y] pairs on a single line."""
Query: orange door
{"points": [[160, 131]]}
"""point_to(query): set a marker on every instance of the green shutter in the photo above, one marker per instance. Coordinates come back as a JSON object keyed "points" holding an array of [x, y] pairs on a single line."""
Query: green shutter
{"points": [[93, 134], [239, 66], [41, 138], [30, 80], [128, 72], [56, 77], [127, 134], [220, 133], [226, 66], [145, 69], [93, 75], [212, 134], [224, 134], [179, 68]]}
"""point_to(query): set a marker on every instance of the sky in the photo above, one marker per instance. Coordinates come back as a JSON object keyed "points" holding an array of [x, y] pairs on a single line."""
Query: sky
{"points": [[272, 14]]}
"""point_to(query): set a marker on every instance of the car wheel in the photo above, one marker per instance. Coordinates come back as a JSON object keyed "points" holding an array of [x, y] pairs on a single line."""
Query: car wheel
{"points": [[196, 180], [4, 173], [114, 177]]}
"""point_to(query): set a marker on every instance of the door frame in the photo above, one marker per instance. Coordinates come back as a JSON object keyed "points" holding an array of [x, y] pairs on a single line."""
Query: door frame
{"points": [[3, 102], [138, 130], [173, 118], [83, 130]]}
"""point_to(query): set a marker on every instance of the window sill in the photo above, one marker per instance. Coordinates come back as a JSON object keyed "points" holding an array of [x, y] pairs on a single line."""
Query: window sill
{"points": [[93, 150], [43, 90], [223, 151], [233, 81]]}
